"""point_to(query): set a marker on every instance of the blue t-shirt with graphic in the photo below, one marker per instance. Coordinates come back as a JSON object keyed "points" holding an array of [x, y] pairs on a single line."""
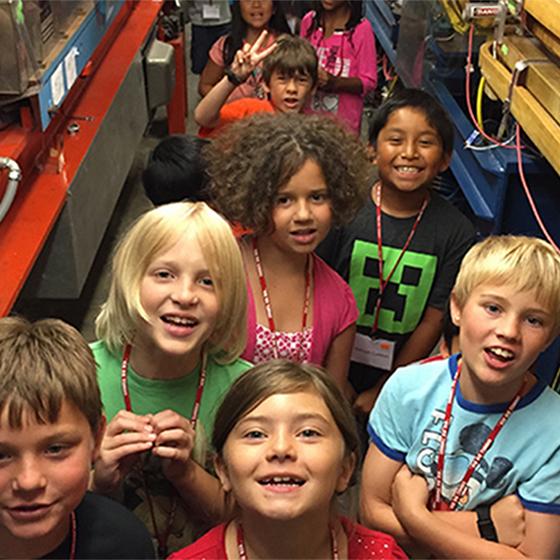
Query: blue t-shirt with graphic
{"points": [[406, 424]]}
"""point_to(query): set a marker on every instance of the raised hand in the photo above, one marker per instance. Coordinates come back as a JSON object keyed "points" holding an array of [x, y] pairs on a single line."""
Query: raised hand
{"points": [[248, 57]]}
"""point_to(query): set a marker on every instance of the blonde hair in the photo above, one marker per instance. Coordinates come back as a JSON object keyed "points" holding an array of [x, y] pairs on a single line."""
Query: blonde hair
{"points": [[150, 235], [528, 264], [43, 365]]}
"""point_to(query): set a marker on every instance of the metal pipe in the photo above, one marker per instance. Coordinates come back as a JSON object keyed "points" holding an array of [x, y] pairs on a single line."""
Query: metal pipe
{"points": [[14, 177]]}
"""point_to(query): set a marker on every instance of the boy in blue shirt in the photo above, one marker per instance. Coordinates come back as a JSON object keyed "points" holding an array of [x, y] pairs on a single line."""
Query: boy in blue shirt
{"points": [[453, 440]]}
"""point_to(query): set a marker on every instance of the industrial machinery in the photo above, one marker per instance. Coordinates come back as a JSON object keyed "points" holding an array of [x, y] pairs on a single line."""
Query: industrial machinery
{"points": [[494, 66], [79, 81]]}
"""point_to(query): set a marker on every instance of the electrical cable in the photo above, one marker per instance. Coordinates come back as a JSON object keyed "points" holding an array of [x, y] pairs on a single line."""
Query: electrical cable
{"points": [[386, 73], [479, 95], [468, 94], [490, 147], [528, 192]]}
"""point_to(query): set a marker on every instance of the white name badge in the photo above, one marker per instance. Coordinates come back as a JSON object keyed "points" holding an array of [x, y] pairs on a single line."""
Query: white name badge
{"points": [[374, 352], [209, 11]]}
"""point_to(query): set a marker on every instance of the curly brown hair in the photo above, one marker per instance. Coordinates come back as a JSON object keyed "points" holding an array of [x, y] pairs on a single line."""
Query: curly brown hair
{"points": [[252, 159]]}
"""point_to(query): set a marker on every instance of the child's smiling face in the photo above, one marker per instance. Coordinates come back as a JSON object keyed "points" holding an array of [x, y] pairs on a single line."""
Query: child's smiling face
{"points": [[286, 459], [502, 331], [44, 474], [409, 151]]}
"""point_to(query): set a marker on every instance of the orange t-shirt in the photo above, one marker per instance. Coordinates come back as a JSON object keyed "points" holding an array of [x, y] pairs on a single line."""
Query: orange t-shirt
{"points": [[234, 111]]}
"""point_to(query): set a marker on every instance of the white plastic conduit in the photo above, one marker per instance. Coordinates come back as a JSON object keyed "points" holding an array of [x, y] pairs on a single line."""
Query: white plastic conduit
{"points": [[14, 177]]}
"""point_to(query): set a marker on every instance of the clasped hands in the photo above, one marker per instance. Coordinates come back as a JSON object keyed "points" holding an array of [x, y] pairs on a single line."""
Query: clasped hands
{"points": [[167, 435]]}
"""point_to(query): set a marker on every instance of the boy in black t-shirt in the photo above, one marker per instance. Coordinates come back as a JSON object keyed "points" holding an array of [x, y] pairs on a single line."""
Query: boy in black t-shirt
{"points": [[51, 427], [409, 233]]}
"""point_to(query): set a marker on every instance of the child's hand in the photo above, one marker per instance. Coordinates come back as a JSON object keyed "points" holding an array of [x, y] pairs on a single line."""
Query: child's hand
{"points": [[508, 516], [409, 493], [174, 442], [126, 437], [248, 57], [324, 79]]}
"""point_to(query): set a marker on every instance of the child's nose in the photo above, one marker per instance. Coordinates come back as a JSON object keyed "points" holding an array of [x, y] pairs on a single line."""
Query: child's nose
{"points": [[303, 211], [29, 476], [281, 447], [508, 327], [185, 293], [291, 84], [409, 149]]}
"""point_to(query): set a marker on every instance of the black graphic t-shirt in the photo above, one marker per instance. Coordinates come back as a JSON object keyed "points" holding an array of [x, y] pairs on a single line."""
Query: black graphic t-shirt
{"points": [[424, 277]]}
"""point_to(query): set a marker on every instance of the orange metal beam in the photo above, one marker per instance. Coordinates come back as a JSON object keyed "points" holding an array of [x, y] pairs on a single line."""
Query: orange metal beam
{"points": [[50, 161]]}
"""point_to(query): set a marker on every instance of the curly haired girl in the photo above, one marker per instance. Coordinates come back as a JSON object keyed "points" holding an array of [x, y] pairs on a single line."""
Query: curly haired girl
{"points": [[288, 178]]}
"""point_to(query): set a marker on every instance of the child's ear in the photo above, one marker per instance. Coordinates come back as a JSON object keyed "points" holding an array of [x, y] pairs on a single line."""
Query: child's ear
{"points": [[221, 471], [371, 153], [455, 310], [445, 161], [348, 466], [98, 438]]}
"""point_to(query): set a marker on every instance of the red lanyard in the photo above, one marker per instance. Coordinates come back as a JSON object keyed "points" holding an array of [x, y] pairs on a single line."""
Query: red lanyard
{"points": [[437, 502], [268, 307], [74, 530], [243, 552], [383, 282], [164, 537], [126, 394]]}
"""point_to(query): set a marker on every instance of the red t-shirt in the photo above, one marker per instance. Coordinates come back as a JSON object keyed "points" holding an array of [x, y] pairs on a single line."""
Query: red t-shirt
{"points": [[234, 111], [363, 544]]}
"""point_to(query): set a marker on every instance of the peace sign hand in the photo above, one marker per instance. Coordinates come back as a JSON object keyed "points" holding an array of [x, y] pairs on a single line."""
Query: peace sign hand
{"points": [[248, 57]]}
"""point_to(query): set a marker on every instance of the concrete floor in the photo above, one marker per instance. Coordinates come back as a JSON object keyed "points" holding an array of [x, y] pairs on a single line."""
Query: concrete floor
{"points": [[132, 202]]}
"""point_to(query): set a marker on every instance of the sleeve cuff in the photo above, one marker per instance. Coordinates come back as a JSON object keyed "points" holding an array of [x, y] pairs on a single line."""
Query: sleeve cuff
{"points": [[386, 450]]}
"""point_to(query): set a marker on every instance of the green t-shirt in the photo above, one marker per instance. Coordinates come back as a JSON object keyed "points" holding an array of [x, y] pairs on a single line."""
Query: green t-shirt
{"points": [[152, 396]]}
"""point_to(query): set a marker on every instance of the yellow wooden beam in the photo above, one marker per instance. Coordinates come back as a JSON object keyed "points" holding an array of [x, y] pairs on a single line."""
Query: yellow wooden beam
{"points": [[542, 79], [547, 12], [537, 123]]}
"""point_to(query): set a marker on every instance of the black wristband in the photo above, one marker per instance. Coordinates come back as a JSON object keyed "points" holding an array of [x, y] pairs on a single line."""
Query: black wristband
{"points": [[486, 527], [232, 77]]}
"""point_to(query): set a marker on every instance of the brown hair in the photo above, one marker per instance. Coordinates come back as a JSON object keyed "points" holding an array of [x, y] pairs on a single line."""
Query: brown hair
{"points": [[253, 158], [43, 364], [293, 55], [282, 377]]}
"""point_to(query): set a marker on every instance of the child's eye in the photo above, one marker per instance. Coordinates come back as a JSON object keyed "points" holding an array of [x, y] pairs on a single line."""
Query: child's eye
{"points": [[492, 308], [319, 197], [254, 434], [162, 274], [4, 457], [57, 449], [394, 140], [309, 433], [426, 142], [207, 282], [282, 200], [535, 321]]}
